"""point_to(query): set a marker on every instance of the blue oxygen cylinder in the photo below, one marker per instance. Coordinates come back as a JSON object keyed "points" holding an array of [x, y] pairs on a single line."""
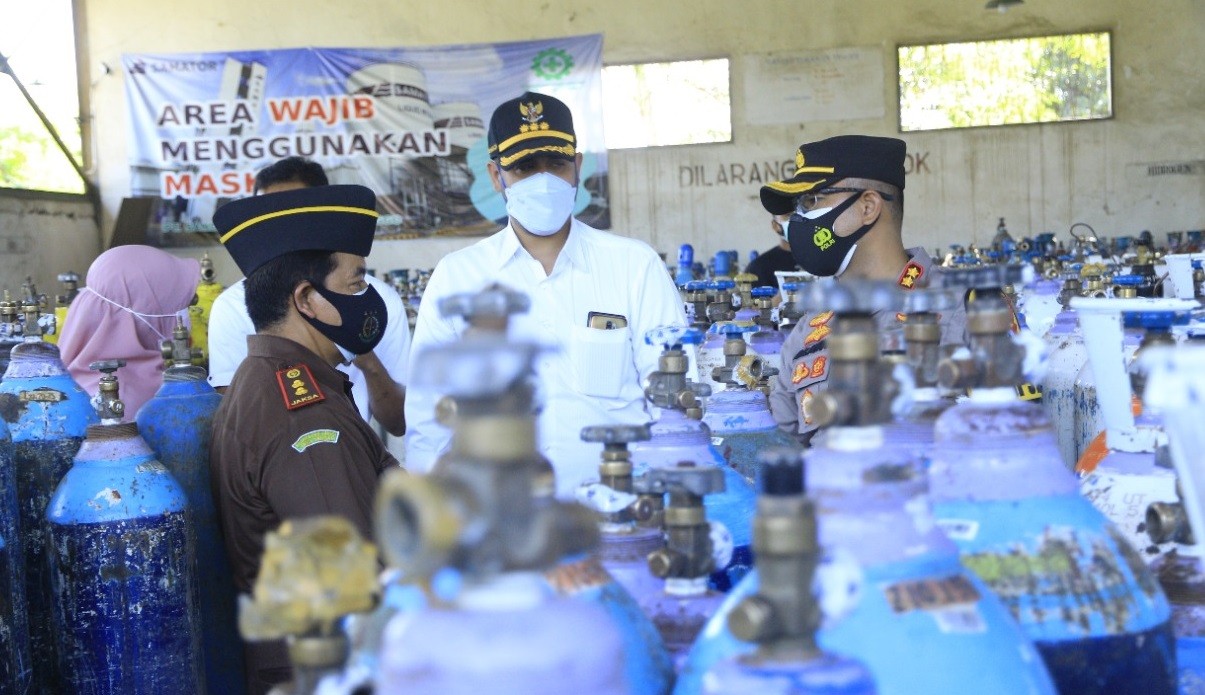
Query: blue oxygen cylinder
{"points": [[16, 669], [10, 330], [721, 265], [679, 435], [686, 261], [911, 613], [47, 415], [1085, 598], [695, 296], [176, 424], [121, 557]]}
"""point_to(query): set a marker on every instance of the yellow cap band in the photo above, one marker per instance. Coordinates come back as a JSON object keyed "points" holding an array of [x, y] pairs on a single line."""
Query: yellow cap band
{"points": [[567, 150], [507, 143], [296, 211]]}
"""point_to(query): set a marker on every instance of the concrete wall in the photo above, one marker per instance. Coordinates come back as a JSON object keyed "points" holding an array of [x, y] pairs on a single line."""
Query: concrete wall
{"points": [[42, 235], [1040, 177]]}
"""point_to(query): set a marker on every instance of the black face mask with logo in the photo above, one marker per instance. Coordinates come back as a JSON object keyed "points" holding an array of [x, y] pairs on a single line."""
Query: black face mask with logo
{"points": [[363, 318], [814, 245]]}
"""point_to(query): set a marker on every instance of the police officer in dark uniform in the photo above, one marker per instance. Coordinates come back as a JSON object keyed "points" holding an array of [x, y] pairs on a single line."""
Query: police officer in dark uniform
{"points": [[846, 207], [288, 441]]}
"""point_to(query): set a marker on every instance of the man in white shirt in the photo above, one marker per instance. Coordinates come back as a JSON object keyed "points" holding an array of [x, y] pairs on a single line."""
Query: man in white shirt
{"points": [[593, 296], [378, 377]]}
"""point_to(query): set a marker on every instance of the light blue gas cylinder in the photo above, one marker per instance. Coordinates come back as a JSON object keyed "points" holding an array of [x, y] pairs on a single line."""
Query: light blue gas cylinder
{"points": [[47, 415], [1067, 354], [16, 669], [739, 416], [1085, 598], [767, 340], [176, 423], [782, 619], [617, 576], [686, 260], [691, 549], [485, 513], [679, 437], [121, 557], [720, 311], [919, 621]]}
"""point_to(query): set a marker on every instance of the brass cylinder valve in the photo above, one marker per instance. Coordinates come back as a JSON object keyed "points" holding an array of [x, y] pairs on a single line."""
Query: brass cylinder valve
{"points": [[615, 469], [993, 360], [70, 285], [668, 387], [688, 548], [783, 617], [109, 404], [207, 270], [486, 507]]}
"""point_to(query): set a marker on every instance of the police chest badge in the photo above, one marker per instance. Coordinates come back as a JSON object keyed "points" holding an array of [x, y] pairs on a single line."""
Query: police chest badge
{"points": [[298, 387]]}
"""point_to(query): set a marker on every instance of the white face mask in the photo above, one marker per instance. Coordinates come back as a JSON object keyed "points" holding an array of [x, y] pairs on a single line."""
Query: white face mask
{"points": [[541, 203]]}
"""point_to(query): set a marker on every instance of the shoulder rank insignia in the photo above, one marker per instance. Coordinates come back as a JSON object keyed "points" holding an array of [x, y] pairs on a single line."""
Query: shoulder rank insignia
{"points": [[820, 328], [298, 387], [911, 274]]}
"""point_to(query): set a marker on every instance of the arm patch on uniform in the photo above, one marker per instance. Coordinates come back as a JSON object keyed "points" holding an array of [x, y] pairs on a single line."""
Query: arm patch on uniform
{"points": [[298, 387], [313, 437]]}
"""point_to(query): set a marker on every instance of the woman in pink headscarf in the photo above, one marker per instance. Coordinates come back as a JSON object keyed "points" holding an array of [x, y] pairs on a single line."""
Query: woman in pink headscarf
{"points": [[127, 309]]}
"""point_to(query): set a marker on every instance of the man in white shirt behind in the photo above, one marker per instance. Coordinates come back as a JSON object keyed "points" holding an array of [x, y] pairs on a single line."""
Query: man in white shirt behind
{"points": [[593, 296], [377, 377]]}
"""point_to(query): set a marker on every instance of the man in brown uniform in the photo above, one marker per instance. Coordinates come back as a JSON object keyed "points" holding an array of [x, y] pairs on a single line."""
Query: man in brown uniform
{"points": [[846, 202], [288, 441]]}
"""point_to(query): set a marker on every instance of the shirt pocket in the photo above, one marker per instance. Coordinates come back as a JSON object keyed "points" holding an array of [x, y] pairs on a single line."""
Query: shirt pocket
{"points": [[602, 360]]}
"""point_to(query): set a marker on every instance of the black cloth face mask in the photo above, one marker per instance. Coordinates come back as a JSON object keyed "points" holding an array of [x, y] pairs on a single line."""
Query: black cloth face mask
{"points": [[363, 315], [814, 245]]}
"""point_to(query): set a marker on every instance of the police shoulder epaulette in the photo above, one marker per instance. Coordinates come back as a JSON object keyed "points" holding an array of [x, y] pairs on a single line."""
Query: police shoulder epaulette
{"points": [[298, 387]]}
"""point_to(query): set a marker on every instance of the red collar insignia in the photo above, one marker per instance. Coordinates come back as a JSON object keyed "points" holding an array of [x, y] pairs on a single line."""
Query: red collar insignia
{"points": [[298, 387], [911, 274]]}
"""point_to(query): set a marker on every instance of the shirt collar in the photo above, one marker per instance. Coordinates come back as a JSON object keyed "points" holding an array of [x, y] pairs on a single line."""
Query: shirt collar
{"points": [[290, 353], [572, 252]]}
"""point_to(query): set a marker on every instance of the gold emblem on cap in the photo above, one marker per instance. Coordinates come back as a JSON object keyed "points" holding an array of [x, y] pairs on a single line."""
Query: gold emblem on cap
{"points": [[533, 112], [799, 159]]}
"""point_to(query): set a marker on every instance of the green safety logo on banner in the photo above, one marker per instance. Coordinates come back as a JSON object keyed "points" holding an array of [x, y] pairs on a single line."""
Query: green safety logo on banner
{"points": [[552, 63]]}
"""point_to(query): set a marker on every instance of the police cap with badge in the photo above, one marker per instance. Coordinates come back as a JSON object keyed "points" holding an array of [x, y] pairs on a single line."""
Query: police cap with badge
{"points": [[822, 163], [322, 218], [532, 124]]}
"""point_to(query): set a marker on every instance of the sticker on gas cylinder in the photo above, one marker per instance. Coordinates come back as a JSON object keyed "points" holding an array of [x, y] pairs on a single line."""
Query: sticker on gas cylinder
{"points": [[959, 529], [930, 594], [42, 395], [960, 620]]}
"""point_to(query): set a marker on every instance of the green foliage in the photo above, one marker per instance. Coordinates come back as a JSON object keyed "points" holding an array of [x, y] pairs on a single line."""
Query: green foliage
{"points": [[30, 159], [983, 83]]}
